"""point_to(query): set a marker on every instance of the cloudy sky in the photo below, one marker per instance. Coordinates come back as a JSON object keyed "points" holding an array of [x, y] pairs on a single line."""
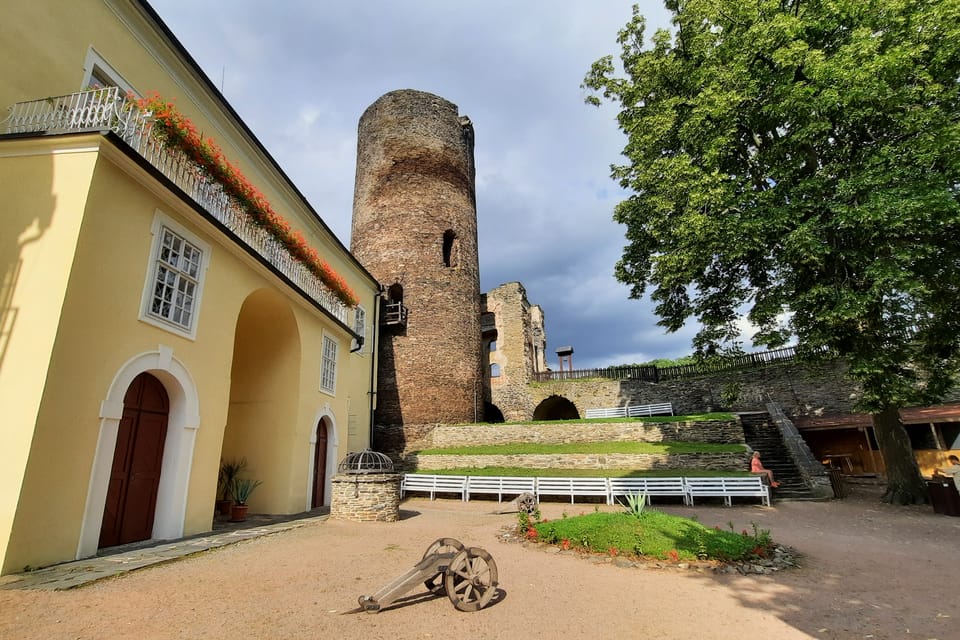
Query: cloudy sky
{"points": [[301, 72]]}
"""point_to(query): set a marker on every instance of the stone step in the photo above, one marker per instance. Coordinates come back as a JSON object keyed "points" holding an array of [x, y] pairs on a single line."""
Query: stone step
{"points": [[762, 435]]}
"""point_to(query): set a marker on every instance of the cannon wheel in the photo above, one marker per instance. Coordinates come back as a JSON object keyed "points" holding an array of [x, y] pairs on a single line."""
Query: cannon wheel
{"points": [[527, 503], [471, 579], [443, 545]]}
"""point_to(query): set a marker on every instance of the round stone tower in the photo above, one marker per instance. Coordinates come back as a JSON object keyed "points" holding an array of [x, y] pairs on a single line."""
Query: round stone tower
{"points": [[415, 230]]}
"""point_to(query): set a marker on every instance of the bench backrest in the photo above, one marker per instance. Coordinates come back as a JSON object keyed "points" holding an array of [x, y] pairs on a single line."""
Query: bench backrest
{"points": [[631, 411]]}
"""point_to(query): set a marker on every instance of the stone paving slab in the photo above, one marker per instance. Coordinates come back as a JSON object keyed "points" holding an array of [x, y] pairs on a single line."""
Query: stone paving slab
{"points": [[70, 575]]}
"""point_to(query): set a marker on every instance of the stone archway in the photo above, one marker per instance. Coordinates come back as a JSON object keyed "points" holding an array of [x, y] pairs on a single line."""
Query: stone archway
{"points": [[556, 408], [492, 413]]}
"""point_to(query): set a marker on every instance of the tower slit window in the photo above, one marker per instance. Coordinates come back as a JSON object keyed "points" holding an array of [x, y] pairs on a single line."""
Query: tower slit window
{"points": [[451, 248]]}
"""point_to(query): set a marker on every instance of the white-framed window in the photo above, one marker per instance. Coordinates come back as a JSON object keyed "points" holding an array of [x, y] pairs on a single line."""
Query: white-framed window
{"points": [[494, 370], [97, 73], [174, 283], [328, 365], [360, 325], [493, 345]]}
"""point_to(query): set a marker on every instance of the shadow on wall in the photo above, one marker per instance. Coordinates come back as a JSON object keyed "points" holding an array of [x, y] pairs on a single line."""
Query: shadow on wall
{"points": [[27, 216], [556, 408]]}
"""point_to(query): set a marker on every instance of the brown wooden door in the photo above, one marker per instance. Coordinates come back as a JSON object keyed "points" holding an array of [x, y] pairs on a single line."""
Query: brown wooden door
{"points": [[319, 466], [135, 475]]}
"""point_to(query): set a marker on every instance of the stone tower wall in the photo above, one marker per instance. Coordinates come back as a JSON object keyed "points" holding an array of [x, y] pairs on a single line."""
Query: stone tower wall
{"points": [[514, 353], [415, 223]]}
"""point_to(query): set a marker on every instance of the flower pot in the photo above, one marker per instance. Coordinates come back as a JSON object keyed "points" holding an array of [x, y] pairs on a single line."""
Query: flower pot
{"points": [[238, 512], [223, 507]]}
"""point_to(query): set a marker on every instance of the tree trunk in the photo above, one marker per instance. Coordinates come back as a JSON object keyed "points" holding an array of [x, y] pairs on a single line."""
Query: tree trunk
{"points": [[905, 485]]}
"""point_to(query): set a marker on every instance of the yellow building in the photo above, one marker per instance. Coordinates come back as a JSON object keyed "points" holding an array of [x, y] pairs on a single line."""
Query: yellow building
{"points": [[151, 325]]}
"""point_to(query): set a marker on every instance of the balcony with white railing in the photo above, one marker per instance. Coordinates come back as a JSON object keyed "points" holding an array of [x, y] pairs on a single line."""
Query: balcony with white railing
{"points": [[108, 109]]}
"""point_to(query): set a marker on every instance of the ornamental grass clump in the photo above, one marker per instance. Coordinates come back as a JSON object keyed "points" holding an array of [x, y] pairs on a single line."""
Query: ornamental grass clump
{"points": [[635, 503]]}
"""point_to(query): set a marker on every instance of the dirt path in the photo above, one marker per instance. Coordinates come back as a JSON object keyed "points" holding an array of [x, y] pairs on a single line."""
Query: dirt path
{"points": [[871, 571]]}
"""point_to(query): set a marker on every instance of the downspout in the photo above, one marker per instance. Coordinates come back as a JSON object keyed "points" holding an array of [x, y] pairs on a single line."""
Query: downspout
{"points": [[374, 357]]}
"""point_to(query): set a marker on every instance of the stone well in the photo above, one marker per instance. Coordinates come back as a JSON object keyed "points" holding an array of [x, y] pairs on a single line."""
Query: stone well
{"points": [[365, 489]]}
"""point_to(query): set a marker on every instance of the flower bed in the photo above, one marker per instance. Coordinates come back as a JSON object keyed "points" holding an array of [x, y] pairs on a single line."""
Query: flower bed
{"points": [[176, 131]]}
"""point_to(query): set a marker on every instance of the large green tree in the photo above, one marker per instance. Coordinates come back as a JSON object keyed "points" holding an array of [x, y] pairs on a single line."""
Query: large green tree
{"points": [[799, 160]]}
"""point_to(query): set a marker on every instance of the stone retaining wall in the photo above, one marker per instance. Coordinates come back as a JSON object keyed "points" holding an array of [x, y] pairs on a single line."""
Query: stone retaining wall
{"points": [[400, 441], [418, 437], [709, 461], [721, 431], [799, 389]]}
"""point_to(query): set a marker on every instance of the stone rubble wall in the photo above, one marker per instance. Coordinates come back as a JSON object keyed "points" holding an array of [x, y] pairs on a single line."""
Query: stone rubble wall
{"points": [[722, 431], [707, 461], [402, 444], [800, 389]]}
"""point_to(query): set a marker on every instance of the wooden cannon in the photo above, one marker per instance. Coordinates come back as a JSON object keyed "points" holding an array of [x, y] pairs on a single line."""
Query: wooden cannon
{"points": [[467, 576]]}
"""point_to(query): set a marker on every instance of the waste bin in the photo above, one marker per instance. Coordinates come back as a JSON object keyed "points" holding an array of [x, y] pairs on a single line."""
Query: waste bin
{"points": [[944, 496], [836, 481]]}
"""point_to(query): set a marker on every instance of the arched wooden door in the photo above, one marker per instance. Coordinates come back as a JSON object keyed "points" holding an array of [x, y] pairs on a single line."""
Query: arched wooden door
{"points": [[135, 475], [319, 466]]}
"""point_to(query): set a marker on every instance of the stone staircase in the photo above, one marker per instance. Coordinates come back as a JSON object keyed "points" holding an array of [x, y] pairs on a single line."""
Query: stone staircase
{"points": [[762, 435]]}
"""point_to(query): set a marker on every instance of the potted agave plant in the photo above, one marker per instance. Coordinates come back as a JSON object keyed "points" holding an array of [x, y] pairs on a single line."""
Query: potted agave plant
{"points": [[229, 472], [242, 488]]}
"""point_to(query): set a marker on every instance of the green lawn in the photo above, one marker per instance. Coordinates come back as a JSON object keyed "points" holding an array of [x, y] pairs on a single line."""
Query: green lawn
{"points": [[652, 534]]}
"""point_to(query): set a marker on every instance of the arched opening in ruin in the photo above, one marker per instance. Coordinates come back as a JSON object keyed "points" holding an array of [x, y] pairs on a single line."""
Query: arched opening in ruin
{"points": [[395, 293], [492, 413], [556, 408]]}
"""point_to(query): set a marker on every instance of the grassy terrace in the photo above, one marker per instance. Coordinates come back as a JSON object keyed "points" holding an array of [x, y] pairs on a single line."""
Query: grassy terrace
{"points": [[528, 448], [690, 418], [524, 472], [618, 447]]}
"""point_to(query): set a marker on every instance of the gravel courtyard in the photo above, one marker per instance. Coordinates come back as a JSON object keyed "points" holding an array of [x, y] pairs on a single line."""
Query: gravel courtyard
{"points": [[869, 571]]}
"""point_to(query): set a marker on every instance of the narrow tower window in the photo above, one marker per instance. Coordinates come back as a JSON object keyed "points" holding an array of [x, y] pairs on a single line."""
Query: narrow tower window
{"points": [[451, 248]]}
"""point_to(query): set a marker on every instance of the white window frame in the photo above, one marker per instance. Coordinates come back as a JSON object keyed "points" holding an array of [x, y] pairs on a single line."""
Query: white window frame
{"points": [[95, 66], [360, 326], [329, 351], [162, 221]]}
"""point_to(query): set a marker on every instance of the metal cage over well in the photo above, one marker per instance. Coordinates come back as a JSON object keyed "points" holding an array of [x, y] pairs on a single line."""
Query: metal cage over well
{"points": [[366, 461]]}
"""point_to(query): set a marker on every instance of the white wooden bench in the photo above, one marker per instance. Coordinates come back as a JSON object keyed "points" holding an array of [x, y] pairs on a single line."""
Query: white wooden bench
{"points": [[433, 484], [648, 486], [632, 411], [500, 485], [728, 488], [573, 487]]}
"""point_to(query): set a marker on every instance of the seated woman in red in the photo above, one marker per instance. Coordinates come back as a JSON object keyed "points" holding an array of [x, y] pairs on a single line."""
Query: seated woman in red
{"points": [[757, 467]]}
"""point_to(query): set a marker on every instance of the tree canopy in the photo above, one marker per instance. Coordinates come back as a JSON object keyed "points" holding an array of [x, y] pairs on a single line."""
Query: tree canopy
{"points": [[800, 160]]}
